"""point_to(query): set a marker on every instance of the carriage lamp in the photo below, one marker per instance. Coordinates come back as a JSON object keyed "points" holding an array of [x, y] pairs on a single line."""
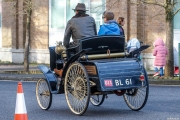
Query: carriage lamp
{"points": [[59, 48], [141, 78]]}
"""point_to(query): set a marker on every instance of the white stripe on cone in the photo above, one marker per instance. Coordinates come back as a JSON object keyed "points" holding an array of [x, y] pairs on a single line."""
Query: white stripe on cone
{"points": [[20, 104]]}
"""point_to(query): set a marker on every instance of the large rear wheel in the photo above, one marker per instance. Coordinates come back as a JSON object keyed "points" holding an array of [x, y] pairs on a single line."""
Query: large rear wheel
{"points": [[43, 94], [77, 88]]}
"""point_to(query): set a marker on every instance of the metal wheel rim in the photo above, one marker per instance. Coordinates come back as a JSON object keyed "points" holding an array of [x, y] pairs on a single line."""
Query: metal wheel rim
{"points": [[97, 100], [43, 94], [137, 98], [77, 88]]}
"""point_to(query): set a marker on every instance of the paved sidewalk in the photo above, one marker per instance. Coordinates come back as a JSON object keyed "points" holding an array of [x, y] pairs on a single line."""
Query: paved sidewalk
{"points": [[16, 68], [15, 72]]}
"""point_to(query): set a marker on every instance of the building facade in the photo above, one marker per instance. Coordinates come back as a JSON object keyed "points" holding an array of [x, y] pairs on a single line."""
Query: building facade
{"points": [[49, 18]]}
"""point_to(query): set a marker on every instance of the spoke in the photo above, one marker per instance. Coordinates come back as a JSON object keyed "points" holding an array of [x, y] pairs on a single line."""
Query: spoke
{"points": [[76, 89], [97, 100], [135, 98], [43, 94]]}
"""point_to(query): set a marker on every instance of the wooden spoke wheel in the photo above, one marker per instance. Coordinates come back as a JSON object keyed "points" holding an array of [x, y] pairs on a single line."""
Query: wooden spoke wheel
{"points": [[43, 94], [77, 88]]}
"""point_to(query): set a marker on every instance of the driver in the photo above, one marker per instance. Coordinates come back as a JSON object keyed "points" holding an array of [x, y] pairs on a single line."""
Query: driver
{"points": [[79, 26]]}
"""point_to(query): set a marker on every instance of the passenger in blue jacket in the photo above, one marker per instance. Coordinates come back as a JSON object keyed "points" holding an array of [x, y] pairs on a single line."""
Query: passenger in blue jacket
{"points": [[110, 26]]}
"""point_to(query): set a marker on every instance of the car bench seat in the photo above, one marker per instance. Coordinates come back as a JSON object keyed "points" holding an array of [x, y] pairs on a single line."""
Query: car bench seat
{"points": [[103, 46]]}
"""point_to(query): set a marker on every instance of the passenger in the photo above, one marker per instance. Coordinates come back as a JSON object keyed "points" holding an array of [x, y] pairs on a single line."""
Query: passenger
{"points": [[121, 23], [79, 26], [160, 52], [110, 26]]}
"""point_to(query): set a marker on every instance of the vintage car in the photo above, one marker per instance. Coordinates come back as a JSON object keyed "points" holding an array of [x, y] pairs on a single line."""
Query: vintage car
{"points": [[96, 67]]}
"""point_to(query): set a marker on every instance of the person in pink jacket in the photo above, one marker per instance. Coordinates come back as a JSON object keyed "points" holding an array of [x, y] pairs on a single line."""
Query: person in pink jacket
{"points": [[160, 52]]}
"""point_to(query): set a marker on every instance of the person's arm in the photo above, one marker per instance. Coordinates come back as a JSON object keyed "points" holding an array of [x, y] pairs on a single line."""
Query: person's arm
{"points": [[67, 35], [101, 30], [95, 28], [121, 30], [154, 52]]}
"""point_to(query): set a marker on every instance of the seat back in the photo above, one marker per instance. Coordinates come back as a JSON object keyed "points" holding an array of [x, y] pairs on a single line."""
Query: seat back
{"points": [[102, 44]]}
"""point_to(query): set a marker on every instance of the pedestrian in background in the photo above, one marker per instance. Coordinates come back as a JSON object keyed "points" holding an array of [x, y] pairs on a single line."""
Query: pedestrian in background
{"points": [[160, 52], [121, 23]]}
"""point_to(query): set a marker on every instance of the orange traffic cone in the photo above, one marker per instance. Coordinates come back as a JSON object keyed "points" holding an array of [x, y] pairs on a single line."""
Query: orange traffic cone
{"points": [[20, 111]]}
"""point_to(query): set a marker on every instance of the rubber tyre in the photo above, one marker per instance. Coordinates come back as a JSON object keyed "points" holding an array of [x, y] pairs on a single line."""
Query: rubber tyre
{"points": [[97, 100], [43, 94], [137, 98], [77, 88]]}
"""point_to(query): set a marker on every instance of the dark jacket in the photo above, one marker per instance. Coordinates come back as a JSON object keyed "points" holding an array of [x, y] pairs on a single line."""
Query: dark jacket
{"points": [[121, 30], [79, 27], [109, 28]]}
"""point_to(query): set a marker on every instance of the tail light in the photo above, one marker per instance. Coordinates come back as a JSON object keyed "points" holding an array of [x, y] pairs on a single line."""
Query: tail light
{"points": [[141, 78]]}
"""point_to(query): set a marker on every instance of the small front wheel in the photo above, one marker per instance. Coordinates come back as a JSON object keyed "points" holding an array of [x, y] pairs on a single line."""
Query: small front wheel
{"points": [[43, 94]]}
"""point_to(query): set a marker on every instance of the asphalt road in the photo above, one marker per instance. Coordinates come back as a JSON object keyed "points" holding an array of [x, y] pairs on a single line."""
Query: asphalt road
{"points": [[163, 104]]}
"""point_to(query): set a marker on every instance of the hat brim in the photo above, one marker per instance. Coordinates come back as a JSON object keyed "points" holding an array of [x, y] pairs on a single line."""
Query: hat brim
{"points": [[79, 9]]}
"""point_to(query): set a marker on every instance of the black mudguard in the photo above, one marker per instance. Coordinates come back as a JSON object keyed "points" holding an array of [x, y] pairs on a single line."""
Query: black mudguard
{"points": [[50, 77]]}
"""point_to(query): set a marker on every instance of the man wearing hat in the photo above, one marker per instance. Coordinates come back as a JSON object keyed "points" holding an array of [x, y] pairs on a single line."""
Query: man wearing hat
{"points": [[79, 26]]}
